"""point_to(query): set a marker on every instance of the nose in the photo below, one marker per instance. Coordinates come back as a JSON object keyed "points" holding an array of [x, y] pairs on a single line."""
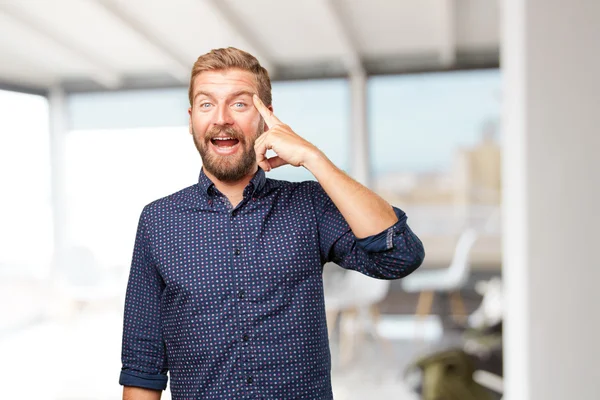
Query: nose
{"points": [[223, 116]]}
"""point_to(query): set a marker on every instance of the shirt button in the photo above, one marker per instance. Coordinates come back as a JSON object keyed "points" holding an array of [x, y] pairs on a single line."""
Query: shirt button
{"points": [[245, 338], [249, 380], [237, 252], [241, 294]]}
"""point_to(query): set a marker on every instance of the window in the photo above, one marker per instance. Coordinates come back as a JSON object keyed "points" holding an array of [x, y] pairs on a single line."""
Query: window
{"points": [[112, 174], [25, 214], [319, 112], [435, 152]]}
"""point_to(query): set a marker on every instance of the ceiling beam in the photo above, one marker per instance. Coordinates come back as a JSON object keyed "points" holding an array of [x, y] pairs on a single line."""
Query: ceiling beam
{"points": [[447, 42], [22, 73], [351, 57], [179, 66], [27, 89], [417, 63], [241, 29], [102, 73]]}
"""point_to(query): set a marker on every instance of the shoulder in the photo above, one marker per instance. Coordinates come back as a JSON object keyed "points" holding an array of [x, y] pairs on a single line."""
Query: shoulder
{"points": [[295, 189], [184, 198]]}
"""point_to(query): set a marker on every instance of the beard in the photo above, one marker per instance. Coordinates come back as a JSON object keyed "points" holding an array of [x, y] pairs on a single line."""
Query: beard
{"points": [[231, 168]]}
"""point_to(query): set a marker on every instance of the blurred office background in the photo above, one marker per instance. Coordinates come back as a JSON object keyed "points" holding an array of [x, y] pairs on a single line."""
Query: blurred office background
{"points": [[493, 163]]}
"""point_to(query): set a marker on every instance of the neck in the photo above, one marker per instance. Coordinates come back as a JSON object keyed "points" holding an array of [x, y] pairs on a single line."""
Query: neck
{"points": [[234, 191]]}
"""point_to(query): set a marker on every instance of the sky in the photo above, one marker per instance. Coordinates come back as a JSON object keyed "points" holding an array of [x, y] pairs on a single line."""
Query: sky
{"points": [[415, 121]]}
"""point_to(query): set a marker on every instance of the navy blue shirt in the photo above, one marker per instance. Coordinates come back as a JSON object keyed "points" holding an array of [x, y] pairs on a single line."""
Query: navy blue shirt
{"points": [[229, 301]]}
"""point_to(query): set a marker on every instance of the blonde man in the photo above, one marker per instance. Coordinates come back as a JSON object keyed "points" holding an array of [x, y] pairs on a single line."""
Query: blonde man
{"points": [[225, 291]]}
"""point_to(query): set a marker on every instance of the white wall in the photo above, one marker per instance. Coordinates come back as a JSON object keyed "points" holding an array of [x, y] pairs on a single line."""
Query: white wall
{"points": [[551, 66]]}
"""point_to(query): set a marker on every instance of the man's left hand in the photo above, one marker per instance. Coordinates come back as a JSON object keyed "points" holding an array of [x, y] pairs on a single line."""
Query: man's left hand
{"points": [[287, 144]]}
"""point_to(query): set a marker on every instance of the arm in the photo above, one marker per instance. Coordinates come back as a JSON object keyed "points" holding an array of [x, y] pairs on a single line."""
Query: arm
{"points": [[143, 351], [135, 393], [345, 210], [366, 213]]}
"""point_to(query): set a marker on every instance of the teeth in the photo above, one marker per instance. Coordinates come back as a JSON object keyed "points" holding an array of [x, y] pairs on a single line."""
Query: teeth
{"points": [[222, 138]]}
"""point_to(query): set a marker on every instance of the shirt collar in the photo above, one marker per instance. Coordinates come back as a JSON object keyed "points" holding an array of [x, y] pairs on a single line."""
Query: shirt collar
{"points": [[257, 183]]}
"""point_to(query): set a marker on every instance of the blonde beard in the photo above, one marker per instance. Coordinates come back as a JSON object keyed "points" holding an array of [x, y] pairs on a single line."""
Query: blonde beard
{"points": [[226, 168]]}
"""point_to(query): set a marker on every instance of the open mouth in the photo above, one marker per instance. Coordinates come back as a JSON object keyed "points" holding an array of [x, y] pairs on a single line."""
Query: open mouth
{"points": [[224, 142]]}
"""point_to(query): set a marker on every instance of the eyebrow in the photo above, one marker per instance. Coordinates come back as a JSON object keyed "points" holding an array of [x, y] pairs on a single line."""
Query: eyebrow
{"points": [[233, 95], [242, 93]]}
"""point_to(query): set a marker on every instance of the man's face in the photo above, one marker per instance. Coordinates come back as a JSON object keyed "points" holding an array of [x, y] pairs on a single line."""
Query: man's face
{"points": [[225, 123]]}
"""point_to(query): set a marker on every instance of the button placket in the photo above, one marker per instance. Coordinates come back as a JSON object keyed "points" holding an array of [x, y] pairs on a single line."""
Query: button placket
{"points": [[244, 306]]}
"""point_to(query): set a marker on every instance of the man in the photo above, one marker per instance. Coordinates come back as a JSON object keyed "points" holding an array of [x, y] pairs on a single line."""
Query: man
{"points": [[225, 290]]}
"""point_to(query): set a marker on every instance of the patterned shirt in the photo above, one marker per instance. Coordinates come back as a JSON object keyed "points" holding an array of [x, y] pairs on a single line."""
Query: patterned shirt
{"points": [[229, 301]]}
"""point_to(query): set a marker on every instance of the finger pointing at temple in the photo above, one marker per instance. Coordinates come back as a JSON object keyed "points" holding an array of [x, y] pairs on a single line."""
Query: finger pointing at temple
{"points": [[270, 118]]}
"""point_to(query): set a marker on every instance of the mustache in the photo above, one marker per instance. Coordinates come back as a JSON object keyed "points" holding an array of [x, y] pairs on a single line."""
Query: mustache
{"points": [[218, 131]]}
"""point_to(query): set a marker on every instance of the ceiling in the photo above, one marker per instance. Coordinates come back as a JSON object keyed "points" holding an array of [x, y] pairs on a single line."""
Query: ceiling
{"points": [[89, 45]]}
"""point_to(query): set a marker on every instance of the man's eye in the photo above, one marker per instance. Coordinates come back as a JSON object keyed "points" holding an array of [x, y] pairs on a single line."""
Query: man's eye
{"points": [[239, 105], [205, 105]]}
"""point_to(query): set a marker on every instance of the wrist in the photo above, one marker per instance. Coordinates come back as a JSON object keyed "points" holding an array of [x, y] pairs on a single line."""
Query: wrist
{"points": [[314, 160]]}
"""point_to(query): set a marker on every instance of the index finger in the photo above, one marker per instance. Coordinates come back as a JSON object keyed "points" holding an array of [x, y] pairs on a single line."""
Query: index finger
{"points": [[267, 114]]}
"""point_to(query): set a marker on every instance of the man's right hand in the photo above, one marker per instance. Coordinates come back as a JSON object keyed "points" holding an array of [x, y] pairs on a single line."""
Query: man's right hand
{"points": [[136, 393]]}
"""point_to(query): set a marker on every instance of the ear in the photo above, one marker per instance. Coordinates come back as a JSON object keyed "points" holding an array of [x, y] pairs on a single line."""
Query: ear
{"points": [[190, 120]]}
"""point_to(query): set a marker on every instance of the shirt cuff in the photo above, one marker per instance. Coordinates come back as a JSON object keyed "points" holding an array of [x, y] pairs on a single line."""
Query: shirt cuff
{"points": [[139, 379], [384, 240]]}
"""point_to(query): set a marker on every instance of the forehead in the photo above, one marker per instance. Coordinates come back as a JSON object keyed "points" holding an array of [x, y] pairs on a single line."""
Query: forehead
{"points": [[224, 82]]}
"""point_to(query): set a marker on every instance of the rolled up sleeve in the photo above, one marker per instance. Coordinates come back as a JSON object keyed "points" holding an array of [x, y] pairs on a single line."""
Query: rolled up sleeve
{"points": [[143, 351], [138, 379], [396, 246]]}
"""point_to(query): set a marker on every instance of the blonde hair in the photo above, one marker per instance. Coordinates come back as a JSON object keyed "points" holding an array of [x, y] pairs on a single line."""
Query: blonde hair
{"points": [[232, 58]]}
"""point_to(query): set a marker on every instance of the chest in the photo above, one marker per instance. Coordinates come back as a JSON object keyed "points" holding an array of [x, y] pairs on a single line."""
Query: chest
{"points": [[211, 255]]}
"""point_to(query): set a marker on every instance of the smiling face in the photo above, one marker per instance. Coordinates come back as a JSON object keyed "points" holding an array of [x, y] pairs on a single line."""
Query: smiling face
{"points": [[225, 123]]}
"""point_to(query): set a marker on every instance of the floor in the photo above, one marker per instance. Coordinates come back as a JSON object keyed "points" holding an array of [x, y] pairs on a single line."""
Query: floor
{"points": [[76, 355]]}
